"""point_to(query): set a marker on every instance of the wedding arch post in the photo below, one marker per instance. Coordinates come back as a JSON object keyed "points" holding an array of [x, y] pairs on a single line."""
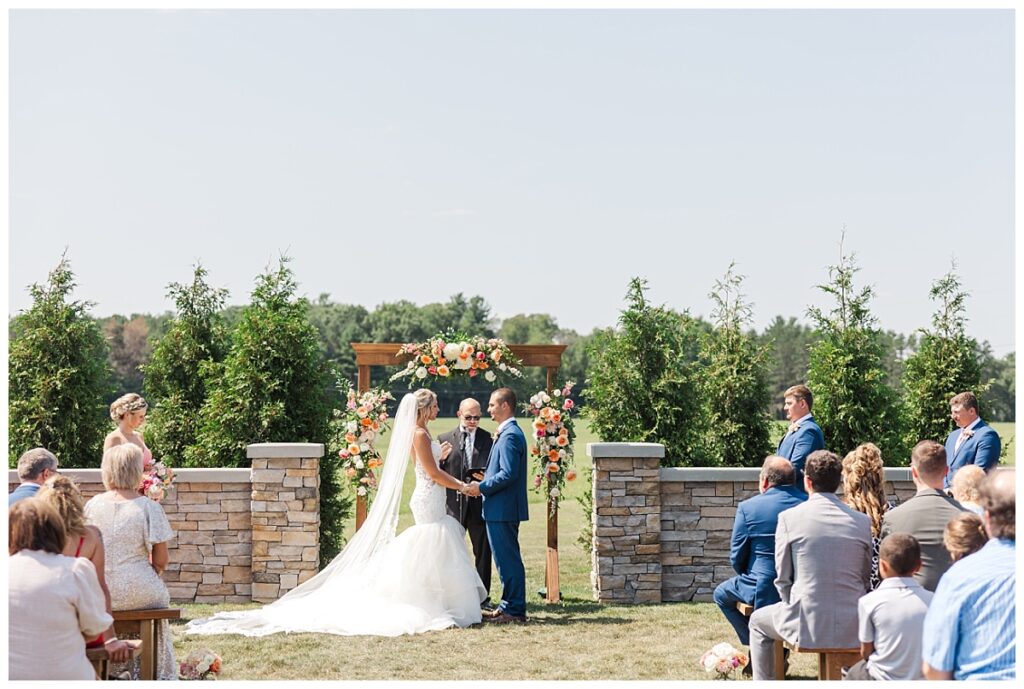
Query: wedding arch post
{"points": [[547, 356]]}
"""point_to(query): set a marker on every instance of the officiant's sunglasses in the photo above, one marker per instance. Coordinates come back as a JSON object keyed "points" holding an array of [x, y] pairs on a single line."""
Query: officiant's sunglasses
{"points": [[467, 417]]}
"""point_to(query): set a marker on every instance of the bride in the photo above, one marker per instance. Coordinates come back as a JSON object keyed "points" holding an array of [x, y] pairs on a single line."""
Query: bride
{"points": [[381, 585]]}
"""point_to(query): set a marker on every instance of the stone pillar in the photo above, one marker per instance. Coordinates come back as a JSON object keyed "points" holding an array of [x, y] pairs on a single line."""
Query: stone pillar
{"points": [[285, 509], [626, 522]]}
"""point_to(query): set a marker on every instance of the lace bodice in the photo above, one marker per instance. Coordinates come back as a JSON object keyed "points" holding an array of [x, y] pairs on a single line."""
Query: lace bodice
{"points": [[428, 498]]}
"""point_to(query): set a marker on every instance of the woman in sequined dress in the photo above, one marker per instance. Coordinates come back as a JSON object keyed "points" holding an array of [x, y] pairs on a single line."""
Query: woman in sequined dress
{"points": [[135, 534]]}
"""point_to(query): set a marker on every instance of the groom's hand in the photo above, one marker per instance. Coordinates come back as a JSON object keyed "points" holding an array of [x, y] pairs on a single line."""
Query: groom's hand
{"points": [[473, 489]]}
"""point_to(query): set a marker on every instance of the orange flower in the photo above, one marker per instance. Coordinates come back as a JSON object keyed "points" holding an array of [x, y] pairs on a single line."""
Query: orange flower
{"points": [[539, 425], [563, 431], [350, 437], [553, 455], [483, 365], [553, 468], [441, 361], [555, 416], [362, 411], [425, 360], [570, 475], [353, 449], [376, 426], [562, 440], [350, 472], [545, 413], [367, 422], [442, 371]]}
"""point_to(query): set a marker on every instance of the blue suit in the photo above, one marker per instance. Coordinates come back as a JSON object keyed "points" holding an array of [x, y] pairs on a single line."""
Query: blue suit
{"points": [[797, 445], [982, 449], [753, 555], [504, 493], [25, 490]]}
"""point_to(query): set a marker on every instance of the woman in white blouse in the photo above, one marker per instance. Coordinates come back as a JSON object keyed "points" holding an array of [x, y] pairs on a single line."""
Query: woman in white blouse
{"points": [[55, 603]]}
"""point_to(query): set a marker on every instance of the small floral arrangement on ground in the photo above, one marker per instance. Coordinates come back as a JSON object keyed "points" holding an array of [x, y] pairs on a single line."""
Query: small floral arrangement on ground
{"points": [[200, 664], [452, 355], [553, 437], [722, 660], [157, 479], [354, 435]]}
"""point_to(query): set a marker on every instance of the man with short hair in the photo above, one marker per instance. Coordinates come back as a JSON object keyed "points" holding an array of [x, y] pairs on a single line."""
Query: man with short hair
{"points": [[970, 632], [974, 441], [926, 514], [753, 545], [471, 446], [823, 564], [34, 467], [891, 617], [804, 435]]}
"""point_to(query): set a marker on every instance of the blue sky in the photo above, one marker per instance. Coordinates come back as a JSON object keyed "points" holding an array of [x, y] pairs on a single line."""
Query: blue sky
{"points": [[539, 158]]}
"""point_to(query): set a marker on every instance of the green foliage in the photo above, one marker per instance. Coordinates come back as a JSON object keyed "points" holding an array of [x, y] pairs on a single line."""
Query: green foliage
{"points": [[177, 376], [999, 401], [272, 387], [734, 381], [946, 363], [57, 376], [790, 345], [852, 399], [643, 383]]}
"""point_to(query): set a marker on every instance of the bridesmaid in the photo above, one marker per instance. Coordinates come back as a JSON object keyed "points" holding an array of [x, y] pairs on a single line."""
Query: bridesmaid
{"points": [[129, 412]]}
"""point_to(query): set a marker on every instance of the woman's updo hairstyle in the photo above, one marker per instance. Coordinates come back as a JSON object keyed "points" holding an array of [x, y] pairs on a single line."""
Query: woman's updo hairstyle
{"points": [[126, 404], [424, 399]]}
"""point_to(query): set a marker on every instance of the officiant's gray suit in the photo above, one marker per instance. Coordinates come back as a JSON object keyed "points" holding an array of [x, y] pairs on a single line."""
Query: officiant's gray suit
{"points": [[823, 565]]}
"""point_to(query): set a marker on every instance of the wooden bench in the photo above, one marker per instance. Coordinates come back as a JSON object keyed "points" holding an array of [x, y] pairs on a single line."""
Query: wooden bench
{"points": [[100, 659], [745, 609], [830, 660], [143, 623]]}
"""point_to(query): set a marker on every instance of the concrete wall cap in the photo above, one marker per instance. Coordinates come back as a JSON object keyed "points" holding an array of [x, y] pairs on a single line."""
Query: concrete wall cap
{"points": [[278, 450], [625, 450]]}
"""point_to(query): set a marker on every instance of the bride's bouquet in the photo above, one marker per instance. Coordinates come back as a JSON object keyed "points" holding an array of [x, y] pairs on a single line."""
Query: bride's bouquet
{"points": [[157, 479], [200, 664], [553, 437], [722, 660], [453, 354], [354, 433]]}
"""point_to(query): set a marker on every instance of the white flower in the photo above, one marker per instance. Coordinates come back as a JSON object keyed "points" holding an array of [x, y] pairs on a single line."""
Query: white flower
{"points": [[554, 493], [361, 490], [561, 454], [544, 396], [503, 367], [463, 364], [364, 447], [421, 372], [452, 350], [489, 376], [410, 364], [368, 435], [557, 393], [353, 426], [358, 464], [710, 662]]}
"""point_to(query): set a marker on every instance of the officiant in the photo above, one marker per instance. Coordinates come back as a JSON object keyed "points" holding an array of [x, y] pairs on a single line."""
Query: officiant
{"points": [[471, 446]]}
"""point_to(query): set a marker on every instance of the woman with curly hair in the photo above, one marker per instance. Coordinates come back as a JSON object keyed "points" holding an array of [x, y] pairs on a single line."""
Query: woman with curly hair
{"points": [[129, 412], [964, 535], [864, 491]]}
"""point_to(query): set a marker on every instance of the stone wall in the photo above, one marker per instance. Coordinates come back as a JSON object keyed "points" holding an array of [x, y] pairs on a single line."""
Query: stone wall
{"points": [[215, 512], [693, 509]]}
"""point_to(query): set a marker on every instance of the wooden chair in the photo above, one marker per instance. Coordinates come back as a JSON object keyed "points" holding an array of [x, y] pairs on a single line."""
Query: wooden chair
{"points": [[830, 660], [100, 659], [143, 623]]}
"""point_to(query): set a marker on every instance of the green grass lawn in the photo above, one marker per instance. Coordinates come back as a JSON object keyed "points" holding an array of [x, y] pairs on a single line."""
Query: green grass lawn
{"points": [[576, 639]]}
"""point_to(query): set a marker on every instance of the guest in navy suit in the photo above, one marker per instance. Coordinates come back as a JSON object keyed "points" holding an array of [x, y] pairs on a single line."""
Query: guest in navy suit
{"points": [[974, 441], [753, 544], [804, 435], [34, 467], [504, 491]]}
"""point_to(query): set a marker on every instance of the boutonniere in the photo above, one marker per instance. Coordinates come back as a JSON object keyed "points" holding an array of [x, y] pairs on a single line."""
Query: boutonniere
{"points": [[968, 433], [794, 427]]}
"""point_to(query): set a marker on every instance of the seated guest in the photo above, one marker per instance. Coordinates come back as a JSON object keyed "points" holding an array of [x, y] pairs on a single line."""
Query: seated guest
{"points": [[135, 534], [965, 487], [804, 435], [974, 441], [970, 631], [891, 618], [925, 515], [864, 491], [823, 561], [753, 545], [965, 535], [54, 602], [34, 467], [61, 493]]}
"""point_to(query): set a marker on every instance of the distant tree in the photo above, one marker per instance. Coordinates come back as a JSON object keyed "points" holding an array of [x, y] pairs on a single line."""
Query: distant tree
{"points": [[130, 349], [999, 401], [852, 400], [896, 348], [57, 376], [734, 381], [946, 363], [339, 325], [177, 376], [790, 355], [274, 386]]}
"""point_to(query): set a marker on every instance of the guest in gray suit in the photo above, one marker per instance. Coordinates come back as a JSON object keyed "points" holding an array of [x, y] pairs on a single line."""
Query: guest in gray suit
{"points": [[925, 515], [823, 561]]}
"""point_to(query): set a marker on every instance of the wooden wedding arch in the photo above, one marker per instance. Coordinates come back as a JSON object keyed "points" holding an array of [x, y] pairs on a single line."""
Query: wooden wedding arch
{"points": [[547, 356]]}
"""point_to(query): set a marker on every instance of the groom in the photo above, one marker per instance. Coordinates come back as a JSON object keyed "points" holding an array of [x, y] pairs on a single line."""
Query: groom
{"points": [[504, 491]]}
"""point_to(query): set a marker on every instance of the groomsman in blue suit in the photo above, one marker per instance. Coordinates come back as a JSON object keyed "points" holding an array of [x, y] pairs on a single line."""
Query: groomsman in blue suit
{"points": [[974, 441], [804, 435], [504, 491], [753, 545]]}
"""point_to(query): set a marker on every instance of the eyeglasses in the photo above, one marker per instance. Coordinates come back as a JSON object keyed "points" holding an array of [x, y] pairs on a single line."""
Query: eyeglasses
{"points": [[470, 418]]}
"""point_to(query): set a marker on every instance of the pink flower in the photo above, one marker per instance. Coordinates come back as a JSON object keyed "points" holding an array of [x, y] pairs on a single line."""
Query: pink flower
{"points": [[536, 481], [351, 404], [541, 432], [472, 372], [567, 404]]}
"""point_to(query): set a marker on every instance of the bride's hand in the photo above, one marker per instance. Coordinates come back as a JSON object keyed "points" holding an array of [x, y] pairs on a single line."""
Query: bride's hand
{"points": [[446, 449]]}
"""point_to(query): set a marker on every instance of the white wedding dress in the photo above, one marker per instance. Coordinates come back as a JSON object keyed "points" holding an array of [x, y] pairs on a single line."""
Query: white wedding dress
{"points": [[419, 581]]}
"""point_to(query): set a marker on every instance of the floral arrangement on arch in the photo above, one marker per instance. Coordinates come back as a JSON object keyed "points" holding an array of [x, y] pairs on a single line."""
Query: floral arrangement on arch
{"points": [[157, 479], [722, 660], [355, 433], [200, 664], [453, 355], [553, 436]]}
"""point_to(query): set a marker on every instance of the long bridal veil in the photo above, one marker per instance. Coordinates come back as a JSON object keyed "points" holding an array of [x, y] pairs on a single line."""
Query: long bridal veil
{"points": [[316, 604]]}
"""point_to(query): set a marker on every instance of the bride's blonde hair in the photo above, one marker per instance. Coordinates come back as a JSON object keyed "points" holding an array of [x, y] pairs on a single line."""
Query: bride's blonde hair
{"points": [[424, 398]]}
